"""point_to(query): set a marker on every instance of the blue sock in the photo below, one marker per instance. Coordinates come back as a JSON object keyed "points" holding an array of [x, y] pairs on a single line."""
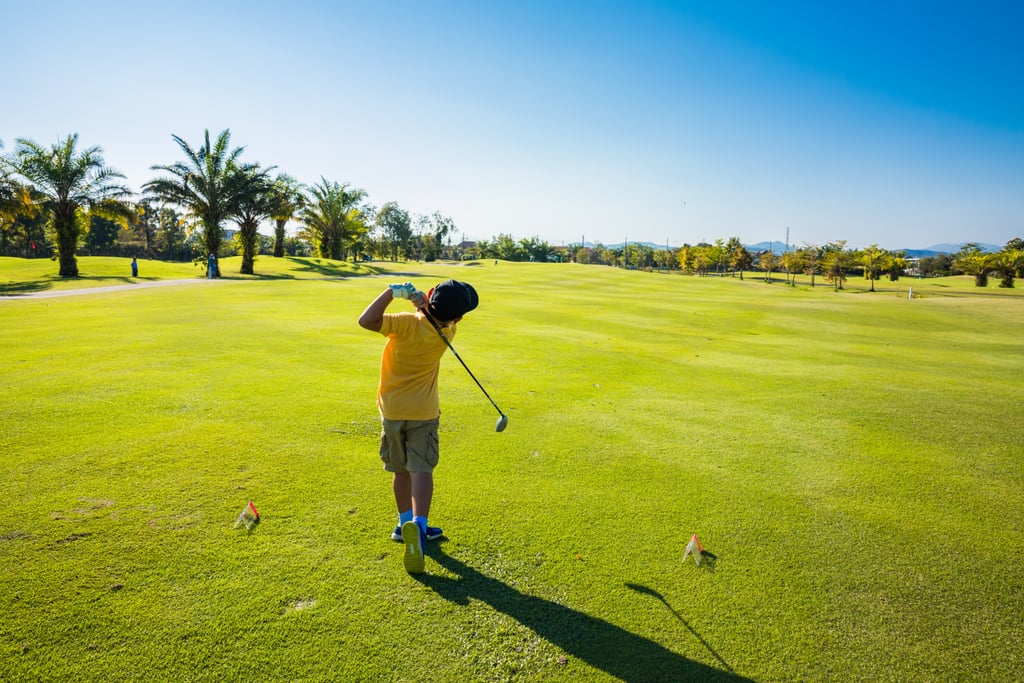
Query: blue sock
{"points": [[421, 522], [404, 517]]}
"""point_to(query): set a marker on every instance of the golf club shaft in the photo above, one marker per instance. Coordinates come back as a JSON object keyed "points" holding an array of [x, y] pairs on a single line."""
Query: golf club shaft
{"points": [[441, 334]]}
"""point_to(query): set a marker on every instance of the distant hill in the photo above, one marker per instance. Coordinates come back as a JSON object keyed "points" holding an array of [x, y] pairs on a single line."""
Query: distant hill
{"points": [[953, 248], [775, 247]]}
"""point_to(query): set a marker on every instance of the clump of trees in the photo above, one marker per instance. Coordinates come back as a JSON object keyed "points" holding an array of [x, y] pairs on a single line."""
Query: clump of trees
{"points": [[63, 201], [1007, 264]]}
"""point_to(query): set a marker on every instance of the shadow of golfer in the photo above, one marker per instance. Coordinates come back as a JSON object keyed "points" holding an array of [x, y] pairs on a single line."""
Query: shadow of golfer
{"points": [[600, 644], [655, 594]]}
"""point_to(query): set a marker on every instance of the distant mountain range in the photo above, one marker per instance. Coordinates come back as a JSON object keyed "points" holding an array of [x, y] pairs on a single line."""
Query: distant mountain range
{"points": [[948, 249], [780, 247]]}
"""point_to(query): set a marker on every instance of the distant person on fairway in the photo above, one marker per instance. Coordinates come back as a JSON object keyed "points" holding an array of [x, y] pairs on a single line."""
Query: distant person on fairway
{"points": [[408, 402], [135, 267]]}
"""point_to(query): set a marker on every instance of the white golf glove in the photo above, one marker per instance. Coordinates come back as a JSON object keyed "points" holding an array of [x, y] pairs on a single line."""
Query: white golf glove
{"points": [[406, 290], [402, 291]]}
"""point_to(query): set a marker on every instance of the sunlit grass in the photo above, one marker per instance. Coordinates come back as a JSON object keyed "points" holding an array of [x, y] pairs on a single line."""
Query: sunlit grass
{"points": [[852, 459]]}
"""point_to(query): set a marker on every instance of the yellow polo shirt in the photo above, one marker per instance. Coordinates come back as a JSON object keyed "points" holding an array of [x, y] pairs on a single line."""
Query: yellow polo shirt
{"points": [[409, 367]]}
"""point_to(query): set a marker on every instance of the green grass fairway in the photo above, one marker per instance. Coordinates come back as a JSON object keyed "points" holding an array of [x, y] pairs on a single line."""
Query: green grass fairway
{"points": [[853, 460], [19, 277]]}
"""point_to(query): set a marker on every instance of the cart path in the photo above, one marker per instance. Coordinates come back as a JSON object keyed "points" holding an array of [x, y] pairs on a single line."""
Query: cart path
{"points": [[142, 284]]}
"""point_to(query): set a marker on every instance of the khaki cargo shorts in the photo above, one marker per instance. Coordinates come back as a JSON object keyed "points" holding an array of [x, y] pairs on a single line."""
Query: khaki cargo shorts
{"points": [[409, 445]]}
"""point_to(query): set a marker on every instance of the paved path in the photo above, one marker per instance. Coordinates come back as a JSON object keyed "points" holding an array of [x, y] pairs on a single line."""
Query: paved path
{"points": [[143, 284], [51, 293]]}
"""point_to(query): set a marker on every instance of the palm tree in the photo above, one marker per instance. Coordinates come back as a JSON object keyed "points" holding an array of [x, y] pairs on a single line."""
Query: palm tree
{"points": [[1017, 243], [286, 200], [252, 207], [209, 184], [329, 216], [1007, 264], [70, 186], [875, 260], [897, 266], [971, 260]]}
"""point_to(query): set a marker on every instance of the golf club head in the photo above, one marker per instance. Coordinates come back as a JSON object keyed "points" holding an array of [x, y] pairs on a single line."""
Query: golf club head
{"points": [[502, 423]]}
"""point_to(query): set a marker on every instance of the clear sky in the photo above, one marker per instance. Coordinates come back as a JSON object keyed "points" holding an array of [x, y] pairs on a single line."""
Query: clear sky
{"points": [[896, 123]]}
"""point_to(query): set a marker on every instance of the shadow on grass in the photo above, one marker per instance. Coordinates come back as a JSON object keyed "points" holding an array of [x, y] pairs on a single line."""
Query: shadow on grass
{"points": [[19, 288], [655, 594], [602, 645], [322, 268], [332, 268], [256, 276], [123, 279], [29, 287]]}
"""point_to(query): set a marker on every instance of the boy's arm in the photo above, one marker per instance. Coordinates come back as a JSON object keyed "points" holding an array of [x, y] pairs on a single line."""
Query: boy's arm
{"points": [[373, 317]]}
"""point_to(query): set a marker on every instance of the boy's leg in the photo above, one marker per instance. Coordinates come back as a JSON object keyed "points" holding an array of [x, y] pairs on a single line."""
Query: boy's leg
{"points": [[409, 450], [421, 457], [422, 492], [413, 491], [392, 453], [401, 484]]}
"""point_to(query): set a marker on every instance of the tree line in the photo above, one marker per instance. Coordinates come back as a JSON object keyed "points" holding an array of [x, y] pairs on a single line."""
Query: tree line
{"points": [[63, 201], [834, 262]]}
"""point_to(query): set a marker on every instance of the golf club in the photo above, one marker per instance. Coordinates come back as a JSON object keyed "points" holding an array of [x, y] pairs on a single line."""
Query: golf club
{"points": [[503, 418]]}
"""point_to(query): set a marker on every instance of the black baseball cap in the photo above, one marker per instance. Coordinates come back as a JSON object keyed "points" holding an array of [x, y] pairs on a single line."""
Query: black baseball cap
{"points": [[451, 299]]}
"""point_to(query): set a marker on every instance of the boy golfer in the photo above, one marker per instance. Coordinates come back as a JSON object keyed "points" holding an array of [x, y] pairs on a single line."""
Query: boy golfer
{"points": [[408, 402]]}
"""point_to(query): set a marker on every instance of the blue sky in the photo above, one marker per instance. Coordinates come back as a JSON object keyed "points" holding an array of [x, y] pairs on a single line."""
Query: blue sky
{"points": [[897, 123]]}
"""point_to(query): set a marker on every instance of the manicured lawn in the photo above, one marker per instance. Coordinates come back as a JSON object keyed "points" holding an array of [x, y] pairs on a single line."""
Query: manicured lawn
{"points": [[853, 460], [28, 276]]}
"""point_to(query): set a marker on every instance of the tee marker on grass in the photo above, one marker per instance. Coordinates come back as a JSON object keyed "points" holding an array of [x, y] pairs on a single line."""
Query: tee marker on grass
{"points": [[700, 555], [250, 517], [694, 548]]}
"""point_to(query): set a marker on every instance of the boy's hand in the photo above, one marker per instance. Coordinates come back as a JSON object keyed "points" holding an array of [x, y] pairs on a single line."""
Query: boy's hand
{"points": [[406, 290], [402, 291]]}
